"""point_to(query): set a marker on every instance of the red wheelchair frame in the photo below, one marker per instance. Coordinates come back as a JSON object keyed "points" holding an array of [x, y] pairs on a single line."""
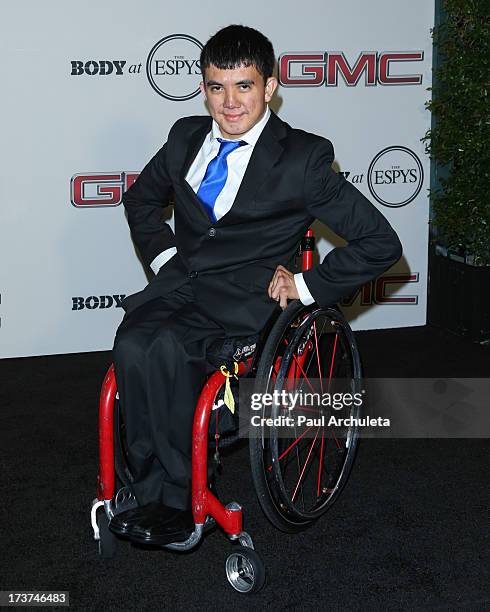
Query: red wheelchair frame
{"points": [[204, 503]]}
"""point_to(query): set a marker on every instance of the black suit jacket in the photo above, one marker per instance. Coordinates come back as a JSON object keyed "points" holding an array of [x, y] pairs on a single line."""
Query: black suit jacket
{"points": [[288, 183]]}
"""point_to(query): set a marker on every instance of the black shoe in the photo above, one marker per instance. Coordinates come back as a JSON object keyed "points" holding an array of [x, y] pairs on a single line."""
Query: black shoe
{"points": [[122, 523], [170, 526]]}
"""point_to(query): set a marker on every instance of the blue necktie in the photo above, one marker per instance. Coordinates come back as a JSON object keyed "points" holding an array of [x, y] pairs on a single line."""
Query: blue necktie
{"points": [[216, 174]]}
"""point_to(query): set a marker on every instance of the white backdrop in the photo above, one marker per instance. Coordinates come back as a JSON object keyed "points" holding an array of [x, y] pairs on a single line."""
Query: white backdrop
{"points": [[71, 138]]}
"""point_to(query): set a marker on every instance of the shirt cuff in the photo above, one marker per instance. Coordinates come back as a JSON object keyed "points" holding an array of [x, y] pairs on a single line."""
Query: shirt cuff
{"points": [[162, 259], [304, 293]]}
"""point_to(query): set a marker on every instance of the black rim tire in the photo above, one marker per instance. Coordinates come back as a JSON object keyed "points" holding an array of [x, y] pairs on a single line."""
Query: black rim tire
{"points": [[269, 486]]}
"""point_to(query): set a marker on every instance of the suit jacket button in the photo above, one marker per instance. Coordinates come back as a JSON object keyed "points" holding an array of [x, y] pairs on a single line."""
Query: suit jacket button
{"points": [[193, 274], [212, 232]]}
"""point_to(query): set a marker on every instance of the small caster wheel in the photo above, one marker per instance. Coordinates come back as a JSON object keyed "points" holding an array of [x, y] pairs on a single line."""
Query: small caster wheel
{"points": [[107, 544], [245, 570]]}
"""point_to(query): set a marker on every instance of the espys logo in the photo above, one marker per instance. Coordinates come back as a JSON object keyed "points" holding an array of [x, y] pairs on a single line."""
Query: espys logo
{"points": [[322, 68], [395, 176], [173, 67], [95, 189], [94, 302]]}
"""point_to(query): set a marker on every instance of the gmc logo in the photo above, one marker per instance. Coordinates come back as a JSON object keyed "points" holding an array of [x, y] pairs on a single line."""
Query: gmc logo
{"points": [[379, 291], [94, 189], [317, 69]]}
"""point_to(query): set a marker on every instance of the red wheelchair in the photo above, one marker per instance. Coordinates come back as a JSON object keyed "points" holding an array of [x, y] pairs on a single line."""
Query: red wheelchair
{"points": [[298, 471]]}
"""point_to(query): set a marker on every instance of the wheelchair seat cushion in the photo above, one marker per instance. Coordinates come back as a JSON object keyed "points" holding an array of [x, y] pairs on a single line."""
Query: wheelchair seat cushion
{"points": [[224, 351]]}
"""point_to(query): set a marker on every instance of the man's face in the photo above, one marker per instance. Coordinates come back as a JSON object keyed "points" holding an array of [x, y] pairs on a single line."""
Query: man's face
{"points": [[236, 98]]}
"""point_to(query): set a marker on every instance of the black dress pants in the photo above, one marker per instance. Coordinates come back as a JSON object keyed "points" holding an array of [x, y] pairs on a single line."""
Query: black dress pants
{"points": [[160, 364]]}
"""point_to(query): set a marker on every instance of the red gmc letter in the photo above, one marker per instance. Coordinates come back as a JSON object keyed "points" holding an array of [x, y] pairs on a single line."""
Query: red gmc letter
{"points": [[385, 59], [366, 62], [395, 279], [312, 67], [104, 189]]}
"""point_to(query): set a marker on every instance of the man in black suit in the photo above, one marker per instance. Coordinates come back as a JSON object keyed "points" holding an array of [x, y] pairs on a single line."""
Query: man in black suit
{"points": [[246, 187]]}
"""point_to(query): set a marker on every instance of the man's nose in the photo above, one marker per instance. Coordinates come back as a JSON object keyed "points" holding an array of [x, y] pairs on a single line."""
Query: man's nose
{"points": [[230, 99]]}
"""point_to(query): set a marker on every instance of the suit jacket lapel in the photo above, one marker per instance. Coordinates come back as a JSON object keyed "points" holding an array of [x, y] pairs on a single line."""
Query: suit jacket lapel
{"points": [[195, 143], [266, 152]]}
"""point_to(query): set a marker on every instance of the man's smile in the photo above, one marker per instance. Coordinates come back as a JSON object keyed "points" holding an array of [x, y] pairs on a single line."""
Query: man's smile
{"points": [[233, 117]]}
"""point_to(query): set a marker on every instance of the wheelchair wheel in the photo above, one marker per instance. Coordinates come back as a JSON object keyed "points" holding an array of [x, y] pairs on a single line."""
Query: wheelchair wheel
{"points": [[299, 470], [245, 570]]}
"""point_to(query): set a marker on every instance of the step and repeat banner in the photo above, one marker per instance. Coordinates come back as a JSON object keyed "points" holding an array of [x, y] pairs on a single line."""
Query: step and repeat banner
{"points": [[89, 93]]}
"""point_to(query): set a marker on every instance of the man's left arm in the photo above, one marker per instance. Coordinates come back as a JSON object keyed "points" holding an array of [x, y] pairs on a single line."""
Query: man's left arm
{"points": [[372, 247]]}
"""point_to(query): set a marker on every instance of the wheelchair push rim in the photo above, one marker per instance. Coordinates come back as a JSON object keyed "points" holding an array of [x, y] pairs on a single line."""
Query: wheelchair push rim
{"points": [[299, 475]]}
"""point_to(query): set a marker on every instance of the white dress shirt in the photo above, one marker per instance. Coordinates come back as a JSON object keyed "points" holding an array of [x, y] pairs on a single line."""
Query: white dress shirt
{"points": [[237, 164]]}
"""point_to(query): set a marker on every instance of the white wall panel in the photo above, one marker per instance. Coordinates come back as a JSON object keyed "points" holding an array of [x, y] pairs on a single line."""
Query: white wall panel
{"points": [[56, 125]]}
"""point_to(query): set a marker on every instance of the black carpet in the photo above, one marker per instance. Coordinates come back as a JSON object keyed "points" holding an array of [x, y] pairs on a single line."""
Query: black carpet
{"points": [[409, 532]]}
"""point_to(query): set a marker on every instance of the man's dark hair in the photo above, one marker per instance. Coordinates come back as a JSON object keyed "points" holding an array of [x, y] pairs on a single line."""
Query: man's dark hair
{"points": [[238, 45]]}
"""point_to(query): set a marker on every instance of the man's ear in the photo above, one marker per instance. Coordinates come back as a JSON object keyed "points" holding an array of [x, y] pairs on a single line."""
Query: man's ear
{"points": [[202, 87], [270, 88]]}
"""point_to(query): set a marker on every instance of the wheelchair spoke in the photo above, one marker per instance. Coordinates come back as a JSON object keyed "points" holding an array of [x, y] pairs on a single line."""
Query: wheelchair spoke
{"points": [[333, 360], [304, 467], [304, 490], [315, 352], [292, 445], [320, 376], [305, 377], [312, 355], [317, 347], [337, 443], [331, 458], [298, 464], [296, 364], [320, 465]]}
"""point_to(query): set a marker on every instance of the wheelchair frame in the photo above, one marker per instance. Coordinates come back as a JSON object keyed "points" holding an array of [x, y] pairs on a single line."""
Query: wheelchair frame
{"points": [[245, 575]]}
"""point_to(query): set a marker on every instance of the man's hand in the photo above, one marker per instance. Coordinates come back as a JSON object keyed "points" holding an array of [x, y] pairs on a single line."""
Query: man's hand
{"points": [[282, 287]]}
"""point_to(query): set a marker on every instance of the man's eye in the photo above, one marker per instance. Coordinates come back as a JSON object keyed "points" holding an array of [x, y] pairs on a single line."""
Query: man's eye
{"points": [[215, 88], [244, 87]]}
